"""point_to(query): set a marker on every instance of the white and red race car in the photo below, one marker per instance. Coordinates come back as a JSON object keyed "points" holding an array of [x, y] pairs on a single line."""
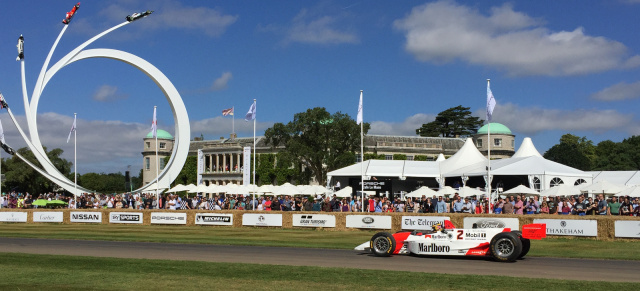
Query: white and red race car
{"points": [[503, 244]]}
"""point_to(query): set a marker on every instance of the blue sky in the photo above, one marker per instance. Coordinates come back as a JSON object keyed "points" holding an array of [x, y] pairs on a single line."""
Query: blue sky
{"points": [[556, 67]]}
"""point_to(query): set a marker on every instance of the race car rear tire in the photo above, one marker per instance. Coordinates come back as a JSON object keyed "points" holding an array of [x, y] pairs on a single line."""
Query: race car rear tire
{"points": [[506, 247], [382, 244], [526, 244]]}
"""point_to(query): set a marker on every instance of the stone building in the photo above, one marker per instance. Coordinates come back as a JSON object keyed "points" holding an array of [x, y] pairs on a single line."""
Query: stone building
{"points": [[503, 141], [165, 146]]}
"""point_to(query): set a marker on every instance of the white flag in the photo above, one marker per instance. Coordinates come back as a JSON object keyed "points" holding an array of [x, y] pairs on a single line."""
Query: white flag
{"points": [[491, 103], [359, 118], [1, 134], [73, 128], [251, 115], [154, 124]]}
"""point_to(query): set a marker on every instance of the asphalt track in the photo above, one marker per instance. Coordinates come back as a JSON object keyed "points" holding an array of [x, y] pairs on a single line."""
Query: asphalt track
{"points": [[533, 267]]}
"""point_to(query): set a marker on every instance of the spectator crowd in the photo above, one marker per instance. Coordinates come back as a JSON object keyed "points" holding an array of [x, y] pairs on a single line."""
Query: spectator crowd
{"points": [[511, 204]]}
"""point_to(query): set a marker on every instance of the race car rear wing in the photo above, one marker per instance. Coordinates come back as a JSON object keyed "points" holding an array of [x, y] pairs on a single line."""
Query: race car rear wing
{"points": [[534, 231]]}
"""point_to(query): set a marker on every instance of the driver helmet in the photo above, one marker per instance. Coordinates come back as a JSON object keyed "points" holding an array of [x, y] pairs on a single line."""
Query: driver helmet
{"points": [[437, 227]]}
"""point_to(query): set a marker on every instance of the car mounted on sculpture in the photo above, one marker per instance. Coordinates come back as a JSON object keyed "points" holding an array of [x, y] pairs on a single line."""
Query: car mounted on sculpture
{"points": [[502, 244], [71, 13], [136, 16]]}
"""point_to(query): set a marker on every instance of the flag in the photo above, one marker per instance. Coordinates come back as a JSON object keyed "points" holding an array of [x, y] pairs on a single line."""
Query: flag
{"points": [[251, 115], [359, 119], [491, 103], [1, 134], [73, 128], [154, 124], [226, 112]]}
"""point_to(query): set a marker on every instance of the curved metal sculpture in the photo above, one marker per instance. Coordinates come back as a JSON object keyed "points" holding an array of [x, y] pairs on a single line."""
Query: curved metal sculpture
{"points": [[182, 129]]}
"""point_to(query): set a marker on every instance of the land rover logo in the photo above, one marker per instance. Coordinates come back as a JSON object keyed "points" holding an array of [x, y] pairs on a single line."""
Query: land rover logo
{"points": [[367, 220], [490, 223], [261, 218], [563, 223]]}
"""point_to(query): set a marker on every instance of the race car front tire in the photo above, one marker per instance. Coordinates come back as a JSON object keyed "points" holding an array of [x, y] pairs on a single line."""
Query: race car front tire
{"points": [[382, 244], [506, 247]]}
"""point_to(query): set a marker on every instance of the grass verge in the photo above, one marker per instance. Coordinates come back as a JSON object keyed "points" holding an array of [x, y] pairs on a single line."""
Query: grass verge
{"points": [[309, 238], [51, 272]]}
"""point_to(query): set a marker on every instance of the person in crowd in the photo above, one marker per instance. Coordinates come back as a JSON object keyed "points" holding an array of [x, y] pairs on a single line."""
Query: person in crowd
{"points": [[613, 207], [636, 210], [427, 205], [507, 207], [625, 207], [544, 209], [317, 205], [457, 206], [498, 206], [378, 205], [566, 206], [466, 207], [410, 204], [306, 204], [400, 206], [579, 208], [531, 207], [326, 205], [518, 207], [441, 206], [371, 204], [345, 205], [479, 208]]}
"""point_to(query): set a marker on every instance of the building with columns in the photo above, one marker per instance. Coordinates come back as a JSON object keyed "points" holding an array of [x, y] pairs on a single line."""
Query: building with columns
{"points": [[165, 146], [224, 158]]}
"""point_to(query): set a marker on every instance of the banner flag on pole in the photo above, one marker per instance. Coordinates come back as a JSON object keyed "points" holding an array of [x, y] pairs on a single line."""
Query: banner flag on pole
{"points": [[73, 128], [491, 103], [2, 134], [251, 115], [359, 119], [154, 124], [226, 112], [3, 104]]}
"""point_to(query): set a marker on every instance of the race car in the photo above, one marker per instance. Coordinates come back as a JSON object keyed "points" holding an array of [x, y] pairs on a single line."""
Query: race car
{"points": [[20, 48], [71, 13], [136, 16], [502, 244]]}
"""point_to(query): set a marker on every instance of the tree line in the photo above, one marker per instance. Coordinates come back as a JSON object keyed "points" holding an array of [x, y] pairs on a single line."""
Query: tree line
{"points": [[581, 153]]}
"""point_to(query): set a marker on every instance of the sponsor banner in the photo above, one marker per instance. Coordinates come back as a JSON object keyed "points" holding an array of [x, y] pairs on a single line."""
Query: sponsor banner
{"points": [[628, 228], [491, 222], [85, 216], [13, 217], [422, 222], [125, 217], [369, 221], [570, 227], [168, 218], [214, 219], [314, 220], [255, 219], [47, 216]]}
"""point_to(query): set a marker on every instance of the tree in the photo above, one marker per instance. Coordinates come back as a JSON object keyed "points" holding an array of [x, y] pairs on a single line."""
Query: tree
{"points": [[189, 173], [453, 122], [21, 177], [318, 140], [573, 151]]}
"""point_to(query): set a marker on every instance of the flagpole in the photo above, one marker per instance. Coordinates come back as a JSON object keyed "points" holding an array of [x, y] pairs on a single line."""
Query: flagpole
{"points": [[157, 159], [489, 157], [233, 120], [362, 158], [75, 159], [254, 148]]}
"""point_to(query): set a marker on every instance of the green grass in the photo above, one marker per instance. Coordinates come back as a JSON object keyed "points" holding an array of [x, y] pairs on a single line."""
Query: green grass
{"points": [[310, 238], [50, 272]]}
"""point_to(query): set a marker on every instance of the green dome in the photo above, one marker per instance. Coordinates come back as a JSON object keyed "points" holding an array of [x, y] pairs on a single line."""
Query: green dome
{"points": [[496, 128], [163, 134]]}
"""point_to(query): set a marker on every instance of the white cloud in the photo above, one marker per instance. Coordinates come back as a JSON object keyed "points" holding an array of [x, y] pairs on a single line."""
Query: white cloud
{"points": [[108, 93], [617, 92], [508, 40], [168, 14], [406, 128], [221, 83], [532, 120], [312, 27]]}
